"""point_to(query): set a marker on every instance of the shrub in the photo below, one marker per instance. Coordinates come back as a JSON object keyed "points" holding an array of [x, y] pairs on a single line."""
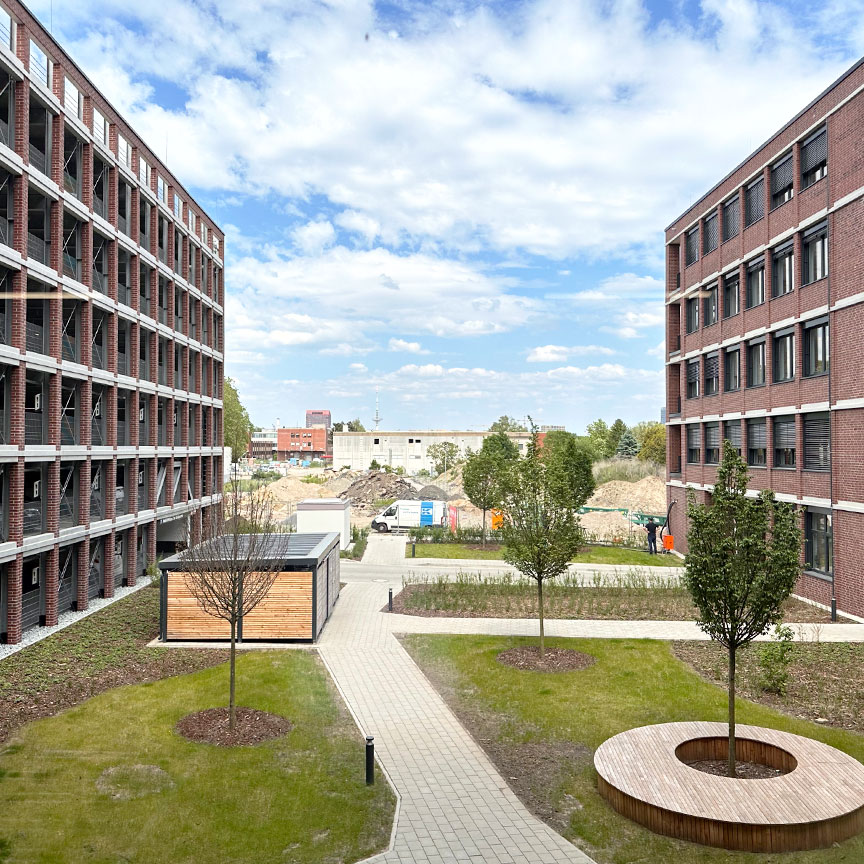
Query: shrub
{"points": [[775, 657], [629, 470]]}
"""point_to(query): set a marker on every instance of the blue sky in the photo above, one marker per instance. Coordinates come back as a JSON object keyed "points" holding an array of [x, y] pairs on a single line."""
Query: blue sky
{"points": [[466, 208]]}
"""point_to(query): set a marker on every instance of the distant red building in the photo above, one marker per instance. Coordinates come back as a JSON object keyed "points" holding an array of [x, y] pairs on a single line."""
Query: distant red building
{"points": [[316, 418], [301, 443]]}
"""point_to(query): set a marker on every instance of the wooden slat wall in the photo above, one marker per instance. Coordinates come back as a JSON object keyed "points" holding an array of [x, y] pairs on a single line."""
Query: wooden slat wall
{"points": [[285, 613]]}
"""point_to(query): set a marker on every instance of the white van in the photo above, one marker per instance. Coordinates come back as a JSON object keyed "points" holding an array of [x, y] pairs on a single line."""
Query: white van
{"points": [[410, 514]]}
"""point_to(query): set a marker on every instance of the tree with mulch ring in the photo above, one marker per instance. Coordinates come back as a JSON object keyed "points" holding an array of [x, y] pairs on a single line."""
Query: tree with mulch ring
{"points": [[551, 660], [213, 726], [299, 798]]}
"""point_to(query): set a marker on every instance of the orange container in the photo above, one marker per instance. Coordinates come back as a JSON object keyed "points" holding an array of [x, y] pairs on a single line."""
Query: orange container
{"points": [[668, 542]]}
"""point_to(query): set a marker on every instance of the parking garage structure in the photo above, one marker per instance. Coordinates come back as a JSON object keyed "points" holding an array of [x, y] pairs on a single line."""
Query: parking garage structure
{"points": [[111, 341]]}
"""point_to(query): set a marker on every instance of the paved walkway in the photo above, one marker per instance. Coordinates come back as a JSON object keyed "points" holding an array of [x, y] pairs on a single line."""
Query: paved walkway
{"points": [[385, 549], [454, 805]]}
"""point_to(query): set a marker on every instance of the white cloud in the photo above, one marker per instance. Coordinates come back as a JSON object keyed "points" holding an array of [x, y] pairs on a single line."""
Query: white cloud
{"points": [[314, 237], [467, 130], [562, 353], [405, 347]]}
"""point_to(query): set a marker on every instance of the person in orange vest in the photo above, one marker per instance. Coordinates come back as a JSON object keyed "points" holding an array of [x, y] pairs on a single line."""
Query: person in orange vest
{"points": [[651, 529]]}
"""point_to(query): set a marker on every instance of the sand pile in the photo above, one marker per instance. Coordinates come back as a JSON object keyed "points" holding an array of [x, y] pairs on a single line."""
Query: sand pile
{"points": [[648, 495]]}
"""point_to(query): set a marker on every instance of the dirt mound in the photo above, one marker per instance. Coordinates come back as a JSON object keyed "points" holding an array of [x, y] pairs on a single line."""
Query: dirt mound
{"points": [[433, 493], [647, 495], [452, 479], [377, 485]]}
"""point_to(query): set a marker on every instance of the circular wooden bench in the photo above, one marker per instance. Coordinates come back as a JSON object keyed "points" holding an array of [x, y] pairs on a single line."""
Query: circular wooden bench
{"points": [[818, 803]]}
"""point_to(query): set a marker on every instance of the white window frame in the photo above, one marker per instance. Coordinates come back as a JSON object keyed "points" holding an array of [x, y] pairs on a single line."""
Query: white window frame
{"points": [[72, 101], [124, 151], [44, 76], [161, 189], [144, 171], [100, 127]]}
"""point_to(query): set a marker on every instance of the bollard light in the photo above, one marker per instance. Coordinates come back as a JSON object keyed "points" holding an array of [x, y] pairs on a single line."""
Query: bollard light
{"points": [[390, 600], [370, 760], [413, 549]]}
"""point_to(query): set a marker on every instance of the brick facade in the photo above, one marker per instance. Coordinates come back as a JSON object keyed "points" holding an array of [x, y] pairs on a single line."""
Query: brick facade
{"points": [[823, 211], [73, 323]]}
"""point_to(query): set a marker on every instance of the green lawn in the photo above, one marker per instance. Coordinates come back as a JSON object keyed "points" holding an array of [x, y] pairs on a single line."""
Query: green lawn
{"points": [[589, 555], [542, 729], [301, 798]]}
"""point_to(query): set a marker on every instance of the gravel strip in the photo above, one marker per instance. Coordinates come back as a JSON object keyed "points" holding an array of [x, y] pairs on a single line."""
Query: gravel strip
{"points": [[37, 634]]}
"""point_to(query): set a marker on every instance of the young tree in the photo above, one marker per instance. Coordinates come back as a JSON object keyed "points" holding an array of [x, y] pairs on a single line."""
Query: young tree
{"points": [[500, 446], [653, 445], [444, 455], [616, 430], [237, 427], [541, 527], [627, 446], [598, 432], [571, 465], [230, 573], [481, 479], [505, 423], [742, 563]]}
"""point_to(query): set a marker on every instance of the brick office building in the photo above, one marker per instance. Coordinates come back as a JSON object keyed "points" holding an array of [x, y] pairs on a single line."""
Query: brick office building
{"points": [[764, 322], [302, 443], [111, 336]]}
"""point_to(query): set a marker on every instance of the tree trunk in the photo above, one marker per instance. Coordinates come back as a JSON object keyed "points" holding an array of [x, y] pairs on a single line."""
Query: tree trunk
{"points": [[731, 711], [540, 609], [483, 531], [232, 714]]}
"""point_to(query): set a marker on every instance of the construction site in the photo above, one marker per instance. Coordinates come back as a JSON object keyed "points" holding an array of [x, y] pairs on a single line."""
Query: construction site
{"points": [[613, 511]]}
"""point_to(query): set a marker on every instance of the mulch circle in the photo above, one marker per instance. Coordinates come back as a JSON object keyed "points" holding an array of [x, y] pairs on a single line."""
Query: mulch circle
{"points": [[743, 770], [554, 659], [252, 727]]}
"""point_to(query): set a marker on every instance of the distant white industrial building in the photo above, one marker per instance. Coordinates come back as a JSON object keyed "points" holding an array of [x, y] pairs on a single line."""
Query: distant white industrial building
{"points": [[408, 450]]}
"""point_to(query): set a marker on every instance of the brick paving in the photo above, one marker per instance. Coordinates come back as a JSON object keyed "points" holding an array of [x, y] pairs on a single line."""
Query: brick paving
{"points": [[454, 805]]}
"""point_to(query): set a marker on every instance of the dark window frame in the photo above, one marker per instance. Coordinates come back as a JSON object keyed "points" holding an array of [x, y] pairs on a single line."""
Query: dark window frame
{"points": [[782, 181], [694, 454], [729, 224], [711, 304], [753, 348], [784, 445], [814, 165], [713, 443], [808, 328], [728, 283], [814, 255], [783, 264], [691, 246], [691, 321], [710, 234], [757, 443], [754, 269], [711, 382], [787, 337], [816, 430], [727, 352], [822, 538], [754, 202]]}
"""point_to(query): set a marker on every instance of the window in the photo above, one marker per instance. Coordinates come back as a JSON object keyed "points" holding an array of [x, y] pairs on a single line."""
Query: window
{"points": [[178, 206], [694, 450], [818, 541], [817, 442], [756, 364], [709, 236], [6, 30], [732, 369], [191, 220], [756, 283], [784, 442], [692, 379], [814, 158], [784, 356], [692, 248], [161, 190], [712, 443], [712, 374], [71, 98], [710, 304], [817, 357], [731, 296], [692, 315], [782, 268], [124, 152], [731, 218], [39, 64], [815, 254], [781, 181], [754, 202], [732, 429], [757, 442], [100, 127], [143, 171]]}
